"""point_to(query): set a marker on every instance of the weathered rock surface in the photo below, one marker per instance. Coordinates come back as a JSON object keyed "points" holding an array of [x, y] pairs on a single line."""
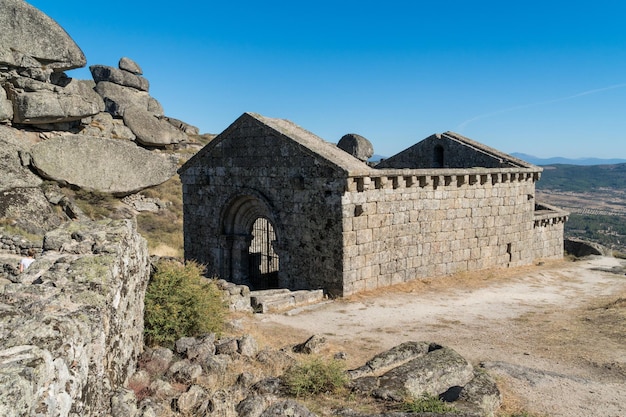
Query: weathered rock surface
{"points": [[29, 209], [313, 344], [581, 248], [155, 107], [151, 130], [392, 357], [119, 76], [418, 368], [432, 374], [118, 98], [357, 146], [6, 107], [289, 408], [72, 329], [482, 393], [101, 164], [34, 90], [36, 102], [129, 65], [14, 174], [105, 126], [29, 38], [182, 126]]}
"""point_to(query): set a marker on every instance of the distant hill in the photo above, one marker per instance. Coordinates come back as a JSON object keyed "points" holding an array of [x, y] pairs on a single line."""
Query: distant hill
{"points": [[579, 178], [558, 160], [376, 158]]}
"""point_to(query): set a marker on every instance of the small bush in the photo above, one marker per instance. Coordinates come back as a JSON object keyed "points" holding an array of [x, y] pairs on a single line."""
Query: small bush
{"points": [[427, 404], [181, 302], [316, 376]]}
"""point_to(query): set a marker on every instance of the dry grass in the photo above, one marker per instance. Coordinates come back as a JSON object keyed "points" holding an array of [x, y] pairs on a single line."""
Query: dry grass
{"points": [[9, 227], [164, 229]]}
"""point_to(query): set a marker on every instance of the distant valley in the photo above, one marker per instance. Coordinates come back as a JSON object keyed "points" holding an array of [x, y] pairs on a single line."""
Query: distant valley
{"points": [[567, 161], [595, 196]]}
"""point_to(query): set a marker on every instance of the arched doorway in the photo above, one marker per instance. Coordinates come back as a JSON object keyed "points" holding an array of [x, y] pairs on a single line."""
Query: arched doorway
{"points": [[262, 257], [249, 245]]}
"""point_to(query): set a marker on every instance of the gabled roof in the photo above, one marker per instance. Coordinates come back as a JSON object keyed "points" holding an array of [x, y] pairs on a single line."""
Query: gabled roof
{"points": [[487, 150], [309, 143], [461, 152]]}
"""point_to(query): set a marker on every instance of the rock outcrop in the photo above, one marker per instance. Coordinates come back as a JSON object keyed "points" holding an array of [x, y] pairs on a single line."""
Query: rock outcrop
{"points": [[34, 53], [71, 328], [14, 173], [30, 210], [120, 76], [109, 165], [32, 41], [357, 146], [581, 248], [418, 368], [36, 102], [151, 130], [177, 382], [56, 128]]}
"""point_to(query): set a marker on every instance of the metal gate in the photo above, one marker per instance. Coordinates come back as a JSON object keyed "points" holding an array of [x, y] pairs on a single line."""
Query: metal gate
{"points": [[262, 259]]}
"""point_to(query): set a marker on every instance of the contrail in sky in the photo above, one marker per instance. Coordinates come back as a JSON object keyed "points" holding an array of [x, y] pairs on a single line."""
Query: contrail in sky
{"points": [[524, 106]]}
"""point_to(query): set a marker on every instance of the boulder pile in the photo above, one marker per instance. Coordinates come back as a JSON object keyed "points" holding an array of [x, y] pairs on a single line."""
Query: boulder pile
{"points": [[233, 377], [35, 52], [92, 134]]}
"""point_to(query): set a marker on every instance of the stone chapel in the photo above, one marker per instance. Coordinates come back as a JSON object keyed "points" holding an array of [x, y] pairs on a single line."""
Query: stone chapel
{"points": [[270, 205]]}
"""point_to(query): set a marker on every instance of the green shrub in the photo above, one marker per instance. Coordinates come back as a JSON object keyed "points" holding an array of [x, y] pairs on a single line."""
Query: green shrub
{"points": [[181, 302], [316, 376], [426, 404]]}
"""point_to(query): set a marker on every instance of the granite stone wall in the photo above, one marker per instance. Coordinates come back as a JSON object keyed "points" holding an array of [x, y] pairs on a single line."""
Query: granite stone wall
{"points": [[242, 180], [548, 227], [402, 227], [345, 227]]}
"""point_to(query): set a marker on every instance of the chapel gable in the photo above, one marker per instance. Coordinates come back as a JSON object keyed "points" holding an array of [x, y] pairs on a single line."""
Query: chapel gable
{"points": [[451, 150]]}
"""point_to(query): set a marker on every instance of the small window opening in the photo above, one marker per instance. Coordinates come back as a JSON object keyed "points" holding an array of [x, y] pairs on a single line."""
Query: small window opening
{"points": [[509, 251], [438, 157]]}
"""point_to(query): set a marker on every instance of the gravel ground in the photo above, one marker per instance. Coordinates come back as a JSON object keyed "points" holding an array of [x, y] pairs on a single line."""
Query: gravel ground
{"points": [[554, 334]]}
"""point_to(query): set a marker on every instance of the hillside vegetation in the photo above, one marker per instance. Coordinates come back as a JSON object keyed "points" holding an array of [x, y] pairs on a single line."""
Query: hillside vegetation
{"points": [[583, 179], [596, 198]]}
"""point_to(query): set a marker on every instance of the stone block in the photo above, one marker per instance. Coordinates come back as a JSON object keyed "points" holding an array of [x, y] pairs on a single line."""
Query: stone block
{"points": [[363, 236]]}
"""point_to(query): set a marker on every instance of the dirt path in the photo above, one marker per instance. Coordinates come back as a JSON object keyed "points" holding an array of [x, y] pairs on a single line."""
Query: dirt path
{"points": [[554, 335]]}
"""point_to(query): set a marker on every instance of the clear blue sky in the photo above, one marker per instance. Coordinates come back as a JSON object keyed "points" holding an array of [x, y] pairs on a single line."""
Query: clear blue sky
{"points": [[546, 78]]}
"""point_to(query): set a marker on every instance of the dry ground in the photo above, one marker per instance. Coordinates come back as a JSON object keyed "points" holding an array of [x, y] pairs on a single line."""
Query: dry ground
{"points": [[554, 335]]}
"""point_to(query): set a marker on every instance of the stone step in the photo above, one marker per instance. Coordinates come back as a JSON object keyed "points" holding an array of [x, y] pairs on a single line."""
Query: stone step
{"points": [[271, 301]]}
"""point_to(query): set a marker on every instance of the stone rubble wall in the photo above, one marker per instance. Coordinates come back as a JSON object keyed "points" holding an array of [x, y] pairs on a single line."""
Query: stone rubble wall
{"points": [[403, 225], [17, 245], [72, 327]]}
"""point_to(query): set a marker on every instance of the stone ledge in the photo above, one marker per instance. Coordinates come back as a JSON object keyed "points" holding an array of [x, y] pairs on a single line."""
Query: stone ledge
{"points": [[272, 301]]}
